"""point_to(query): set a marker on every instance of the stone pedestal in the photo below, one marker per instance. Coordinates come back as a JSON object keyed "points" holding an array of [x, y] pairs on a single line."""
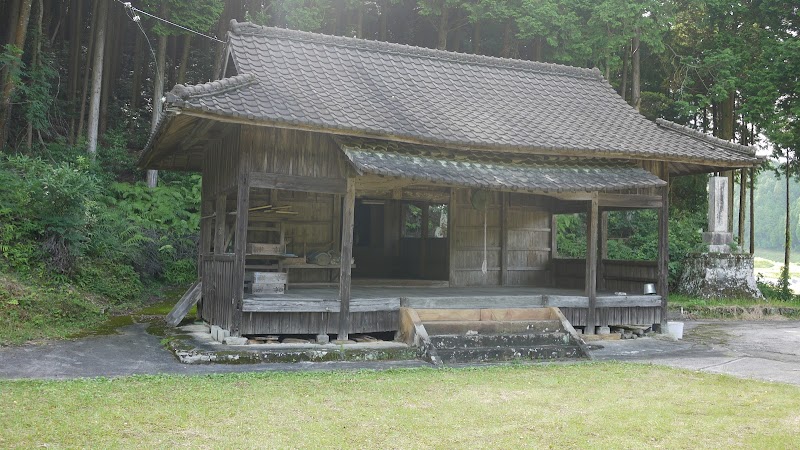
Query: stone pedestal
{"points": [[718, 238], [719, 275]]}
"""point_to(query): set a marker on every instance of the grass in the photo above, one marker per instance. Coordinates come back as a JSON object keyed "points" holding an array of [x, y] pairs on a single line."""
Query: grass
{"points": [[32, 310], [686, 301], [556, 406], [776, 255], [29, 311]]}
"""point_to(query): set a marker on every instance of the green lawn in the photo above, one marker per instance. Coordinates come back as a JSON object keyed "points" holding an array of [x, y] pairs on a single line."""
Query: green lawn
{"points": [[609, 405]]}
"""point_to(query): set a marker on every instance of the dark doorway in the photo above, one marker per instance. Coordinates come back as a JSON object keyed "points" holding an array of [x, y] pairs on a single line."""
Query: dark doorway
{"points": [[397, 239]]}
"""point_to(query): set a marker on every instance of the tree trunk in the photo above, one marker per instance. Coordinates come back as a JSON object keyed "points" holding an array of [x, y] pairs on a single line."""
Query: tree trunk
{"points": [[727, 121], [158, 92], [76, 28], [108, 68], [11, 22], [8, 83], [788, 236], [636, 87], [476, 38], [187, 46], [97, 78], [360, 21], [742, 204], [136, 83], [623, 87], [383, 24], [89, 57], [538, 43], [752, 214], [36, 50], [508, 40], [444, 26]]}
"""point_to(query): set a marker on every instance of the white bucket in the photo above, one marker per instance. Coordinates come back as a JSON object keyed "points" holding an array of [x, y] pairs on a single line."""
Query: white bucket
{"points": [[675, 330]]}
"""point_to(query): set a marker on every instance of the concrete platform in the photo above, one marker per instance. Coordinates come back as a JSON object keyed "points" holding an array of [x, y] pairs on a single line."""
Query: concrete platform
{"points": [[193, 344]]}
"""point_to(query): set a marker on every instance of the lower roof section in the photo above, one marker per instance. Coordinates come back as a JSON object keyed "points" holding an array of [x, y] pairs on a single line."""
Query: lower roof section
{"points": [[508, 172]]}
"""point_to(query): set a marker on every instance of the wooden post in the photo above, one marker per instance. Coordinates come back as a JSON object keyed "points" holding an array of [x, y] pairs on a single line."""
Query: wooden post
{"points": [[591, 263], [451, 236], [553, 249], [423, 241], [601, 269], [240, 240], [663, 252], [503, 239], [220, 220], [347, 253]]}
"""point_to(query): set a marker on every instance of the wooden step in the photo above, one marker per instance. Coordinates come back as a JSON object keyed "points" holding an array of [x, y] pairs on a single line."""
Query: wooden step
{"points": [[455, 327]]}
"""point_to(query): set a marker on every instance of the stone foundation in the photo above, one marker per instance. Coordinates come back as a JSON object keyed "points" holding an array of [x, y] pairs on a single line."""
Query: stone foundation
{"points": [[719, 275]]}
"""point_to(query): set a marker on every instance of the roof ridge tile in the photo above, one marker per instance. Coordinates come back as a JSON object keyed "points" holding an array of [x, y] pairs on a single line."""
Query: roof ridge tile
{"points": [[214, 87]]}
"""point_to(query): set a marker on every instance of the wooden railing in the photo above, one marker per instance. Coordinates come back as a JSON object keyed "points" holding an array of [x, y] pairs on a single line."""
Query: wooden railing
{"points": [[617, 275]]}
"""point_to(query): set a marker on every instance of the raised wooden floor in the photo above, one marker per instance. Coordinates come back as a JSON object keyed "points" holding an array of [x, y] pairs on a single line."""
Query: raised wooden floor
{"points": [[391, 298]]}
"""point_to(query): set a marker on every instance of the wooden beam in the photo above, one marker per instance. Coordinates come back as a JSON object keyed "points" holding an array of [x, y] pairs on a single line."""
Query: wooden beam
{"points": [[601, 268], [240, 241], [297, 183], [591, 264], [629, 201], [553, 248], [348, 211], [663, 253]]}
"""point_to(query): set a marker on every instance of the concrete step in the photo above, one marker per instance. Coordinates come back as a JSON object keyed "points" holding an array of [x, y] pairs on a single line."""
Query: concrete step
{"points": [[455, 327], [456, 341], [484, 354]]}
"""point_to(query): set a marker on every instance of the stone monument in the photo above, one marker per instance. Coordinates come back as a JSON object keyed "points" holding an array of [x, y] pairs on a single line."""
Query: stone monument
{"points": [[723, 271]]}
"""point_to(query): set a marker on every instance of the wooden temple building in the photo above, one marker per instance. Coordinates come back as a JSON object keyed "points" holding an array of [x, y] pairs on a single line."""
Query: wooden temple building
{"points": [[345, 178]]}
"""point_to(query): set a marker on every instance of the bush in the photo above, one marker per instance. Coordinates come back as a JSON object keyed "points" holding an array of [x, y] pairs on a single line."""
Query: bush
{"points": [[117, 282]]}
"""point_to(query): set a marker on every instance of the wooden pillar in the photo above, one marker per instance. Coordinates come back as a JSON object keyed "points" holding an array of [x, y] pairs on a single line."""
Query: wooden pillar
{"points": [[451, 236], [240, 239], [503, 239], [220, 219], [663, 252], [347, 254], [423, 241], [591, 263], [553, 249], [601, 268]]}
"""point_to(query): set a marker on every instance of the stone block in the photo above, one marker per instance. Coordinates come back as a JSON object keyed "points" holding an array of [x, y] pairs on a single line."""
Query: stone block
{"points": [[603, 330], [718, 238], [323, 339], [718, 204], [719, 275], [215, 332], [230, 340]]}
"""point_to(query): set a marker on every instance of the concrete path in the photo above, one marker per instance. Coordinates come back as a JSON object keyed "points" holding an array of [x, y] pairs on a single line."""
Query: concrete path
{"points": [[765, 350], [134, 351]]}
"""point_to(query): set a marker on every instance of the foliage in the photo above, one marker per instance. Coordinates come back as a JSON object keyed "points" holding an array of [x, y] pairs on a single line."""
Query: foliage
{"points": [[633, 235]]}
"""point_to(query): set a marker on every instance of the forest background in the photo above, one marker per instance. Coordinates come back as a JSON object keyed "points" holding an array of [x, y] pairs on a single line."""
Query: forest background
{"points": [[84, 233]]}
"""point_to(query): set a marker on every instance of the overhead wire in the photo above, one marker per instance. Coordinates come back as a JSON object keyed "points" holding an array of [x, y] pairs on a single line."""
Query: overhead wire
{"points": [[128, 6]]}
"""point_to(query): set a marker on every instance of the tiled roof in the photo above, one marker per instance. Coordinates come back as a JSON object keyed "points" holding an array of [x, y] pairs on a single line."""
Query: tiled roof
{"points": [[396, 92], [492, 171]]}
